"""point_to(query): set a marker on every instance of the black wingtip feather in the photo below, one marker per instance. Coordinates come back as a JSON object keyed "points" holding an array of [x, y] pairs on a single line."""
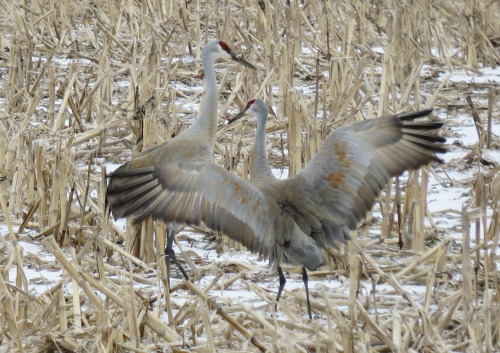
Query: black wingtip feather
{"points": [[414, 115], [438, 160], [422, 125], [426, 136]]}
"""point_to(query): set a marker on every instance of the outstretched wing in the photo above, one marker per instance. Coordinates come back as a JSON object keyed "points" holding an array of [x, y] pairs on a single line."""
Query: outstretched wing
{"points": [[356, 161], [194, 192]]}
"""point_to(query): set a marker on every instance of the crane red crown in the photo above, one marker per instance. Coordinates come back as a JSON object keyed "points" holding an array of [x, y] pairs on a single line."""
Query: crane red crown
{"points": [[224, 46], [250, 103]]}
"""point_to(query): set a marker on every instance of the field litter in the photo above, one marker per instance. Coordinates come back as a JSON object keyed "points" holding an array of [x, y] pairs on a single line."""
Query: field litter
{"points": [[84, 86]]}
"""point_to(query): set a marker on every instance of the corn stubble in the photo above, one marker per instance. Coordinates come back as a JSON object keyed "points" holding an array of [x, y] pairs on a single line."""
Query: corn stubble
{"points": [[76, 85]]}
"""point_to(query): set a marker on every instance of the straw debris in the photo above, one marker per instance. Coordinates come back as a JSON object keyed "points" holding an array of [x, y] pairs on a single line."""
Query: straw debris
{"points": [[85, 85]]}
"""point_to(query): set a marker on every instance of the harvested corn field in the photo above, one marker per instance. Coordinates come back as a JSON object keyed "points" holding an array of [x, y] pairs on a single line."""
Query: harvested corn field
{"points": [[87, 85]]}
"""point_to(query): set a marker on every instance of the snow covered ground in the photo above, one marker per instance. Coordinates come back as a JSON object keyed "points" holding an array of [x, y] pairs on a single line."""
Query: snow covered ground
{"points": [[445, 201]]}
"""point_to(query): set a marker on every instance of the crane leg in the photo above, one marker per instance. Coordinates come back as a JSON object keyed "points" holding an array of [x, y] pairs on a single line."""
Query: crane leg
{"points": [[170, 254], [305, 278], [282, 285]]}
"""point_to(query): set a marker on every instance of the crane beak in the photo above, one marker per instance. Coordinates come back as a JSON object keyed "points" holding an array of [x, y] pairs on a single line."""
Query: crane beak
{"points": [[239, 116], [242, 61]]}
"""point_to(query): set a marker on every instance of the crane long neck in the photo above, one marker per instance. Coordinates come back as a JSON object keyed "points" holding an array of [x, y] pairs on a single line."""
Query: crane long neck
{"points": [[260, 168], [206, 124]]}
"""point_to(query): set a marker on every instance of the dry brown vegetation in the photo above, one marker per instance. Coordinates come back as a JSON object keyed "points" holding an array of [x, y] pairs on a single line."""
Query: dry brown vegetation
{"points": [[76, 81]]}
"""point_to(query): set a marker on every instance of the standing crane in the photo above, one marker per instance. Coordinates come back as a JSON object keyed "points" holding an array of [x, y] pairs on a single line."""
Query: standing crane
{"points": [[296, 219], [130, 188]]}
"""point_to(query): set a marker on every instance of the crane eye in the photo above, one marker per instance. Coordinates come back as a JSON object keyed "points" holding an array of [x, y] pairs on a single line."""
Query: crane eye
{"points": [[225, 47], [250, 103]]}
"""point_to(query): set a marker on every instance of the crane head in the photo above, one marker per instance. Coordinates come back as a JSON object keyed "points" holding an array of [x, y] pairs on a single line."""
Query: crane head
{"points": [[223, 51], [256, 107]]}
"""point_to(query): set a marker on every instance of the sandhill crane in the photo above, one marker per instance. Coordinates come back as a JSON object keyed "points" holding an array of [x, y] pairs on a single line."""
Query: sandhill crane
{"points": [[340, 184], [129, 188]]}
